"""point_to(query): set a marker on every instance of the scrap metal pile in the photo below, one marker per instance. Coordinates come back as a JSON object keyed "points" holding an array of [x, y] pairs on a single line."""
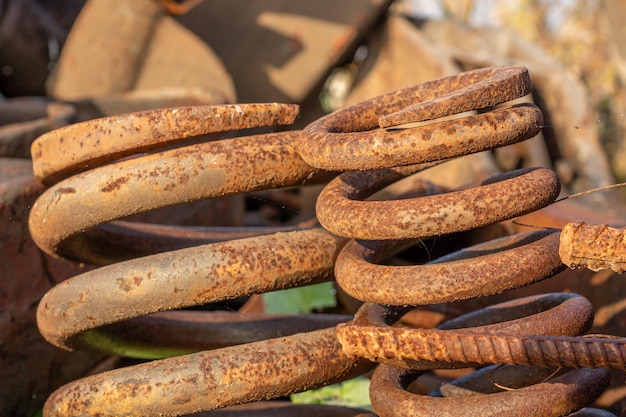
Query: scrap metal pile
{"points": [[104, 170]]}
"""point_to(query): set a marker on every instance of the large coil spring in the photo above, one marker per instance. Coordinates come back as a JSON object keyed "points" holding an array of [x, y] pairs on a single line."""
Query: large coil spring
{"points": [[104, 170]]}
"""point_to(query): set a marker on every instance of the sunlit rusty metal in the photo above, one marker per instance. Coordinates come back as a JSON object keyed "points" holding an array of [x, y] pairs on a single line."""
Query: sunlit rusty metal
{"points": [[86, 145], [594, 247], [350, 139], [211, 379], [548, 314], [105, 309], [490, 268], [485, 269], [184, 278], [230, 358], [206, 170], [499, 198]]}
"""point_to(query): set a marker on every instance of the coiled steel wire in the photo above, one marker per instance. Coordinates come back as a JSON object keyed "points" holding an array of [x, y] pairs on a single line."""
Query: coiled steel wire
{"points": [[104, 170], [110, 308], [485, 269]]}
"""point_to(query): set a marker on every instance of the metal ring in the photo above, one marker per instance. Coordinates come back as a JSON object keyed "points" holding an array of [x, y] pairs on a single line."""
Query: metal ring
{"points": [[70, 314], [350, 139], [178, 386], [489, 268], [88, 144], [556, 397], [499, 198], [65, 211]]}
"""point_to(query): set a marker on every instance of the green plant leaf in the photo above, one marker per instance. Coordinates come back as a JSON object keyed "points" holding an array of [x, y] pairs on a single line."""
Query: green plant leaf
{"points": [[352, 393], [300, 300]]}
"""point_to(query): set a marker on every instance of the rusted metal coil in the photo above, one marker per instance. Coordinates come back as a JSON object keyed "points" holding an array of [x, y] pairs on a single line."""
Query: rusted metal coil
{"points": [[350, 139], [543, 314], [183, 278], [130, 186], [121, 308], [86, 145], [485, 269], [111, 308]]}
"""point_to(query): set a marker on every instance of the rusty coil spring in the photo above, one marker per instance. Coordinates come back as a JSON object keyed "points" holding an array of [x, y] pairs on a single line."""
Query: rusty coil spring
{"points": [[121, 307], [95, 178], [370, 136]]}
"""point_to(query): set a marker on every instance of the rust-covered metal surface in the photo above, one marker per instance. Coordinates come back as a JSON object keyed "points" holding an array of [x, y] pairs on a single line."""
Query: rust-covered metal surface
{"points": [[556, 313], [87, 144], [350, 138], [594, 247], [177, 386], [122, 306], [181, 175], [169, 281], [498, 198]]}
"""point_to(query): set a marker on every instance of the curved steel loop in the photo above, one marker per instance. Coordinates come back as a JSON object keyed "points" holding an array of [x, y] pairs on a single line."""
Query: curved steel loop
{"points": [[178, 386], [501, 197], [70, 314], [61, 214], [556, 397], [350, 139], [88, 144], [471, 90], [384, 148], [483, 269]]}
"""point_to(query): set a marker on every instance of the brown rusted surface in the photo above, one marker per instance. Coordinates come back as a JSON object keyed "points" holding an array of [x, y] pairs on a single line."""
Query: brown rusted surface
{"points": [[350, 139], [552, 314], [213, 379], [360, 149], [131, 186], [480, 270], [120, 308], [170, 281], [543, 314], [86, 145], [595, 247], [498, 198], [455, 94], [464, 347], [555, 397], [30, 368]]}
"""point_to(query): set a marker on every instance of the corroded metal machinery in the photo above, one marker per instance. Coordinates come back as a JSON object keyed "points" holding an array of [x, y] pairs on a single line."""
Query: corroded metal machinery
{"points": [[101, 171]]}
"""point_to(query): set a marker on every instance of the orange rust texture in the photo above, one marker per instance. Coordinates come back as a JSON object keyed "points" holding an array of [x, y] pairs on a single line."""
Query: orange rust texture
{"points": [[132, 186], [595, 247], [246, 373], [88, 144], [344, 140], [184, 278], [499, 198]]}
